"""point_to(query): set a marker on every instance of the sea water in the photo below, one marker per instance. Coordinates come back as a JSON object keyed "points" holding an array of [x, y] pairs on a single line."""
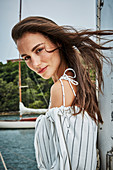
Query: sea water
{"points": [[17, 148]]}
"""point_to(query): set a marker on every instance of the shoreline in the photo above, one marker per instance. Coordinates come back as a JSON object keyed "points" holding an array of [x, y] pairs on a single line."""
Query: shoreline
{"points": [[11, 113], [15, 113]]}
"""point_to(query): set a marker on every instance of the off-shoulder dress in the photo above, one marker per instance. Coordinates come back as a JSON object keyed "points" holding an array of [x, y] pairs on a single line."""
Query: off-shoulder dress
{"points": [[64, 141]]}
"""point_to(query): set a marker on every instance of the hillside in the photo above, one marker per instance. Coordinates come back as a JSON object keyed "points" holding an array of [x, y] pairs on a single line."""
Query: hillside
{"points": [[35, 95]]}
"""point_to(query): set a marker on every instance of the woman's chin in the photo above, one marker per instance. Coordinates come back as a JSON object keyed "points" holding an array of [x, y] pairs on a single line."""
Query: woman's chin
{"points": [[46, 77]]}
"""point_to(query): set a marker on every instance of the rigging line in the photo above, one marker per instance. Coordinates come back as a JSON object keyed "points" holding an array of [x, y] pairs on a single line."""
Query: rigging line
{"points": [[12, 168], [20, 10], [7, 163], [3, 161], [18, 154], [10, 165], [29, 84], [40, 88]]}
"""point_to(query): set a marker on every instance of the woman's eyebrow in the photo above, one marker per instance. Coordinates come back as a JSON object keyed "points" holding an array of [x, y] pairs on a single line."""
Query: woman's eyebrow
{"points": [[23, 55], [36, 46], [32, 49]]}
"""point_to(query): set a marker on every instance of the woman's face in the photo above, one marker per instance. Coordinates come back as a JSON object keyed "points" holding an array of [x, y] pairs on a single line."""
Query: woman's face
{"points": [[33, 48]]}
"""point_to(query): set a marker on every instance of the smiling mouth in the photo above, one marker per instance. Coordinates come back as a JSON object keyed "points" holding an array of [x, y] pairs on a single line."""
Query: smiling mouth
{"points": [[42, 70]]}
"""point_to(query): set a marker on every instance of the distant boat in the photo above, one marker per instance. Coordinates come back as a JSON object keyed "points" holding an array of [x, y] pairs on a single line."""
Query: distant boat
{"points": [[23, 123]]}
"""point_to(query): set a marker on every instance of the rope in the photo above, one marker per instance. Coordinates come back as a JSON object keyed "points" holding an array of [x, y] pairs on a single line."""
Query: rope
{"points": [[18, 154], [3, 161], [40, 88]]}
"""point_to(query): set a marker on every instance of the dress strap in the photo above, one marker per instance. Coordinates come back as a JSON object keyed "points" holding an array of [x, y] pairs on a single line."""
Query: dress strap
{"points": [[70, 80]]}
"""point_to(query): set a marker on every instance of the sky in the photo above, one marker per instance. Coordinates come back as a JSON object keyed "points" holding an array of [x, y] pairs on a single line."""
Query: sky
{"points": [[78, 13]]}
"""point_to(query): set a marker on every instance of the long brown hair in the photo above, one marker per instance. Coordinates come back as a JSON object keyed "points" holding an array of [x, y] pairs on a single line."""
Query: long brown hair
{"points": [[81, 53]]}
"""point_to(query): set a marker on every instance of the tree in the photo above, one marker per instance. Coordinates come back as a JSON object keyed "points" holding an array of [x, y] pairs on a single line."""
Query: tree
{"points": [[35, 94]]}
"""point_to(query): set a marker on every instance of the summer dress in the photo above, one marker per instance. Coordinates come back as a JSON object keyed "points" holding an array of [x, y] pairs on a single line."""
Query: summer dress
{"points": [[64, 141]]}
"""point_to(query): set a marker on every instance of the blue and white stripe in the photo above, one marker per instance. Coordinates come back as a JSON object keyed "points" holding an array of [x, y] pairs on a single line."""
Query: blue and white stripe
{"points": [[64, 141]]}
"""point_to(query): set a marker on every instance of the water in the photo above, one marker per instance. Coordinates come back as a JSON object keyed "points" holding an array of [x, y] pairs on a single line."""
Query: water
{"points": [[17, 148]]}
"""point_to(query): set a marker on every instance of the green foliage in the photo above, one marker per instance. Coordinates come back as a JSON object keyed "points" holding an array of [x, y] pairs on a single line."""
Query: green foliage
{"points": [[35, 94]]}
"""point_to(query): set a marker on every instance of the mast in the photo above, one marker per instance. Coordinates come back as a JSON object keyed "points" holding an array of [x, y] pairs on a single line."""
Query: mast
{"points": [[105, 135], [99, 5], [20, 94]]}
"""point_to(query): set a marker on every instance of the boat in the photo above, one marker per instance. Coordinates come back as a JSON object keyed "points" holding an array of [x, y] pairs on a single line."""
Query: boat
{"points": [[23, 123], [25, 110], [17, 124]]}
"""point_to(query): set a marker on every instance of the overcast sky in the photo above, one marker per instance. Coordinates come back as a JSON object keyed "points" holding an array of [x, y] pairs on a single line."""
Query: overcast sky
{"points": [[77, 13]]}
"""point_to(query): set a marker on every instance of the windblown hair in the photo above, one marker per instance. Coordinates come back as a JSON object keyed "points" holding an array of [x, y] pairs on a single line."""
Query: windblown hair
{"points": [[80, 52]]}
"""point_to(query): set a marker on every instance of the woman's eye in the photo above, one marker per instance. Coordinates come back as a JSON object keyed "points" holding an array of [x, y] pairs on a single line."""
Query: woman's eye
{"points": [[27, 57], [39, 50]]}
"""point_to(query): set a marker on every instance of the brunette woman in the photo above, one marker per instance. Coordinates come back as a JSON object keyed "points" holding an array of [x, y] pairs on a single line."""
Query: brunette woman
{"points": [[65, 137]]}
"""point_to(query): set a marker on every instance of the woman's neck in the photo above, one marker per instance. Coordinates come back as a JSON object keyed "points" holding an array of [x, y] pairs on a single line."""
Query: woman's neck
{"points": [[59, 72]]}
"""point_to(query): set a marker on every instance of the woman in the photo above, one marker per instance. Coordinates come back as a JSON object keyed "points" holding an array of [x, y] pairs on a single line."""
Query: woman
{"points": [[65, 137]]}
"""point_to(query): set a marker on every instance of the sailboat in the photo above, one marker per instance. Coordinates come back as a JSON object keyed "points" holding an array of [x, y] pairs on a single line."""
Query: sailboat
{"points": [[23, 123]]}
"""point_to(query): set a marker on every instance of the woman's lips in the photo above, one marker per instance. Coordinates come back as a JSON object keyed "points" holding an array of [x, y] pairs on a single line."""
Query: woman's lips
{"points": [[42, 70]]}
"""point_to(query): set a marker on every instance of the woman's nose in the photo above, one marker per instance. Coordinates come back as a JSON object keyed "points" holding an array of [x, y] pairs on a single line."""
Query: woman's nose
{"points": [[36, 60]]}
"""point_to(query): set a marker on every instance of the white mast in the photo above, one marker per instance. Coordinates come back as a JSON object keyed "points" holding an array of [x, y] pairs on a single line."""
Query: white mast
{"points": [[105, 137]]}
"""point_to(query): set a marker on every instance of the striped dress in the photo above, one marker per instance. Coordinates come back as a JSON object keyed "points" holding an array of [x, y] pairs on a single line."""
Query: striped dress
{"points": [[64, 141]]}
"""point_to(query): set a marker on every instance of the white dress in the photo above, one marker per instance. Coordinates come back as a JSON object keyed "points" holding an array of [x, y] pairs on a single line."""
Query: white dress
{"points": [[64, 141]]}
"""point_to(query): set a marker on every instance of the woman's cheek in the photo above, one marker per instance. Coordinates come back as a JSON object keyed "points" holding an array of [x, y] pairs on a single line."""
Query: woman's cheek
{"points": [[30, 65]]}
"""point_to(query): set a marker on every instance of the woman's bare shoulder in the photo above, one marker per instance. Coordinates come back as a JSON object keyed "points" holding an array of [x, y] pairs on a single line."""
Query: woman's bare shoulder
{"points": [[57, 94]]}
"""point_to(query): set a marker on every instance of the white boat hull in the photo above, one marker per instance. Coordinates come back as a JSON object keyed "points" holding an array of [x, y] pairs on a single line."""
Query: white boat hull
{"points": [[24, 123], [12, 124]]}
